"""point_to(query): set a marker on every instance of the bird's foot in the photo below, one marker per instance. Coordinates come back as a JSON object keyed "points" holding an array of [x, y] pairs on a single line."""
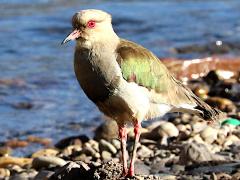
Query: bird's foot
{"points": [[125, 172], [131, 172]]}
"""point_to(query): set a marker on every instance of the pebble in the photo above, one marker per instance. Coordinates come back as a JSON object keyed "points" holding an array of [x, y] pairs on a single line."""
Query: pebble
{"points": [[89, 151], [144, 152], [108, 130], [43, 175], [105, 145], [5, 161], [181, 127], [45, 152], [116, 143], [197, 126], [94, 144], [223, 104], [4, 172], [236, 176], [209, 134], [197, 138], [195, 153], [46, 161], [73, 140], [106, 155], [70, 150], [30, 174], [166, 130], [231, 139]]}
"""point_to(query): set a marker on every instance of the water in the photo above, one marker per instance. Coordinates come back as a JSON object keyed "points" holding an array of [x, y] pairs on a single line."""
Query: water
{"points": [[30, 51]]}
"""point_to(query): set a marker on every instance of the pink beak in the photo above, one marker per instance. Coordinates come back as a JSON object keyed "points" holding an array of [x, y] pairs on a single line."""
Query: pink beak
{"points": [[72, 36]]}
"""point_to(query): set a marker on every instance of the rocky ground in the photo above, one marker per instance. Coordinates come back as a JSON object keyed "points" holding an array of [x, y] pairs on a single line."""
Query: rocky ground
{"points": [[181, 146]]}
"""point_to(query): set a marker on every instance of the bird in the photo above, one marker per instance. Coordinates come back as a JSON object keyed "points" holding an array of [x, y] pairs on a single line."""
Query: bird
{"points": [[126, 81]]}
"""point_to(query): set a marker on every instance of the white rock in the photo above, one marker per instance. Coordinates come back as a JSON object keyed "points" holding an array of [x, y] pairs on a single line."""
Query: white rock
{"points": [[168, 129], [209, 134]]}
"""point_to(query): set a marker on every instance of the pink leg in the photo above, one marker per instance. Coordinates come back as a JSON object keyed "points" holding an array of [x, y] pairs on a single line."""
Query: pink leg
{"points": [[137, 127], [123, 136]]}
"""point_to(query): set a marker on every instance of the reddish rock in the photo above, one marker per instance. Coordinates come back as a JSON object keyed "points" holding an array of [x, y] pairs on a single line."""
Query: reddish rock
{"points": [[15, 143], [195, 68], [39, 140]]}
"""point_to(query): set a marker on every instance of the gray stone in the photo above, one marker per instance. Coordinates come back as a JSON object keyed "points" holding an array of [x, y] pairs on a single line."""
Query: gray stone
{"points": [[43, 174], [46, 161], [195, 153], [107, 146]]}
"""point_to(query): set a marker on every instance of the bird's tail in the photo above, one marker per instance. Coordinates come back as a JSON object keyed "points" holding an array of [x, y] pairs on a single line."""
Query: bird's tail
{"points": [[207, 112], [200, 108]]}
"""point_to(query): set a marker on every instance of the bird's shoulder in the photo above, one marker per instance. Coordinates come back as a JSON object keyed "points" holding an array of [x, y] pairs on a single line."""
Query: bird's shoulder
{"points": [[141, 66]]}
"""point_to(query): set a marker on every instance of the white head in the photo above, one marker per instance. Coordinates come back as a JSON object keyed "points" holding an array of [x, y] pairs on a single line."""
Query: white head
{"points": [[91, 26]]}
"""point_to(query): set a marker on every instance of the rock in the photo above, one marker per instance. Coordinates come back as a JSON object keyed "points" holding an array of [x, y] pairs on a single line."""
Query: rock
{"points": [[108, 170], [157, 166], [131, 134], [39, 140], [84, 158], [73, 140], [202, 91], [4, 172], [116, 143], [144, 152], [26, 175], [15, 169], [15, 143], [185, 118], [94, 144], [46, 161], [176, 168], [231, 139], [141, 168], [197, 126], [223, 104], [209, 134], [214, 167], [89, 151], [43, 175], [5, 151], [105, 145], [72, 171], [223, 176], [195, 153], [108, 131], [181, 127], [196, 138], [45, 152], [236, 176], [71, 150], [166, 130], [106, 155], [6, 161]]}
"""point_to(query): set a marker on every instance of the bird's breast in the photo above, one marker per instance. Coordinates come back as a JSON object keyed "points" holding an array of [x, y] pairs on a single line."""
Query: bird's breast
{"points": [[94, 77]]}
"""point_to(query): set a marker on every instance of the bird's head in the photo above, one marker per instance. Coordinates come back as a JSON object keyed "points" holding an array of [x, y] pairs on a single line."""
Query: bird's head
{"points": [[90, 26]]}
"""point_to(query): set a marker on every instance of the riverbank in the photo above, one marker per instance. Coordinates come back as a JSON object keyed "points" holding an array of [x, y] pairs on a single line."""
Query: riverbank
{"points": [[177, 146]]}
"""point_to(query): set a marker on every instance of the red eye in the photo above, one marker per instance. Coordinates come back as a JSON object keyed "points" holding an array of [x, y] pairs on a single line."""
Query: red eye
{"points": [[91, 24]]}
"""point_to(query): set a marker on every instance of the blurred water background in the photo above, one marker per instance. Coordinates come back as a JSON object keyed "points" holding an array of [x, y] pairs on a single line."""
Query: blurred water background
{"points": [[39, 94]]}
